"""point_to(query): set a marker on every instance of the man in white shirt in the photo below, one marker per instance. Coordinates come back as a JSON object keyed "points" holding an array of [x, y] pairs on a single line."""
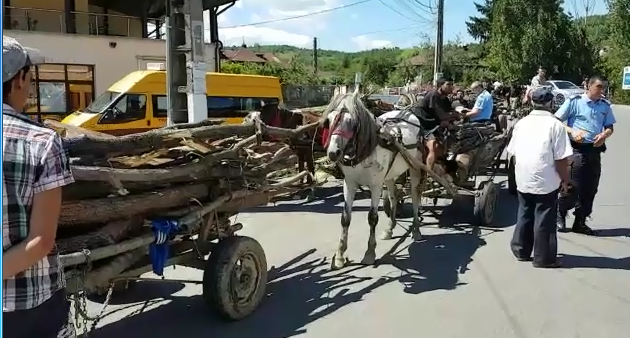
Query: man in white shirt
{"points": [[540, 78], [541, 147]]}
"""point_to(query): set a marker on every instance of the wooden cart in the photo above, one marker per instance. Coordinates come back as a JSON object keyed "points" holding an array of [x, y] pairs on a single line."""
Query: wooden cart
{"points": [[451, 179]]}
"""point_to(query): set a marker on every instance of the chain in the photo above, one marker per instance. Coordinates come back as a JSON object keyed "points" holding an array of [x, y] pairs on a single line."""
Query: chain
{"points": [[81, 316]]}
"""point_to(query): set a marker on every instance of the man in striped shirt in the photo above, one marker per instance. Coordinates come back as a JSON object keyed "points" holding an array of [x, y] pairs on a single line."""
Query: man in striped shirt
{"points": [[34, 168]]}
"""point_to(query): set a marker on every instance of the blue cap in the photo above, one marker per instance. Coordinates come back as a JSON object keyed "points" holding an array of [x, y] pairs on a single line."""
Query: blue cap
{"points": [[541, 95]]}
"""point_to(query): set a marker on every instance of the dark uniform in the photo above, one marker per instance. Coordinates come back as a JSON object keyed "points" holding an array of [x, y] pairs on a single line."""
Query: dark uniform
{"points": [[592, 117], [429, 109]]}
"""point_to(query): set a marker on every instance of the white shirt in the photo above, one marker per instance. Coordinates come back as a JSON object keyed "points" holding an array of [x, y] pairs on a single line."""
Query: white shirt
{"points": [[538, 140], [537, 81]]}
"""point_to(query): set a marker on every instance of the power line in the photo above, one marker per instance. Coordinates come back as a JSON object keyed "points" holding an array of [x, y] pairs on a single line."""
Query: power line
{"points": [[297, 16], [396, 11], [398, 29]]}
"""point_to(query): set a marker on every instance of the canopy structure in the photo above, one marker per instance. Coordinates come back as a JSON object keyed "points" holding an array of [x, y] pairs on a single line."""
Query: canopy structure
{"points": [[149, 8]]}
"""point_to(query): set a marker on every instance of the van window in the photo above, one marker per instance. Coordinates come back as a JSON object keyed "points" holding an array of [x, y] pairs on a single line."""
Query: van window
{"points": [[128, 108], [160, 106], [219, 106]]}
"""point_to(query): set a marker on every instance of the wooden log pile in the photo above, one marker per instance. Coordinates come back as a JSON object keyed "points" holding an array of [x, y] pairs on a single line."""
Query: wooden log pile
{"points": [[474, 145], [197, 174]]}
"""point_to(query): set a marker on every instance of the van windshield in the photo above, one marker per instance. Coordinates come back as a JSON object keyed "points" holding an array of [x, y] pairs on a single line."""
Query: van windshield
{"points": [[102, 102]]}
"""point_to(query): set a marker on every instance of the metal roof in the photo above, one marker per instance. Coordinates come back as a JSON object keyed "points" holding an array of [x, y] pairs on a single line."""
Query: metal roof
{"points": [[157, 8]]}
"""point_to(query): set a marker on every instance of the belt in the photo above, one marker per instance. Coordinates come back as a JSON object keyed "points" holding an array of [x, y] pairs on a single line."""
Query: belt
{"points": [[587, 147]]}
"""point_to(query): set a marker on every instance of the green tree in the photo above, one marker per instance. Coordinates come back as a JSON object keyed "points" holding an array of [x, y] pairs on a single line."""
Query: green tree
{"points": [[618, 55], [479, 27], [529, 34]]}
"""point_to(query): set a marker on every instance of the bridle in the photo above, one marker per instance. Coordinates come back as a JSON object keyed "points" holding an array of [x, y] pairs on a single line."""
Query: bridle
{"points": [[333, 130]]}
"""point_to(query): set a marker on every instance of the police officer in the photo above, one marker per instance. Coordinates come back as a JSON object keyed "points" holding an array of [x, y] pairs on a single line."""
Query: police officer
{"points": [[590, 123]]}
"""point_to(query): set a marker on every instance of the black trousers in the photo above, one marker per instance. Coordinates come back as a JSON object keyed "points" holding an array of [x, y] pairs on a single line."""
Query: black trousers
{"points": [[536, 227], [49, 320], [585, 171]]}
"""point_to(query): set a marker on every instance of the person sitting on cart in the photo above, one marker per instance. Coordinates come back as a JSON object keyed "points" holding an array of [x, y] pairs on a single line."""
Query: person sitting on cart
{"points": [[433, 111], [484, 105]]}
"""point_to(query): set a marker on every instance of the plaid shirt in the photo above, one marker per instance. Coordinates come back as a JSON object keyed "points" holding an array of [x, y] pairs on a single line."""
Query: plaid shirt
{"points": [[33, 161]]}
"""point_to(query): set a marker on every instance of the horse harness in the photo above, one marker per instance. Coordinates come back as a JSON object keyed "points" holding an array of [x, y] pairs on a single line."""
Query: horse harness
{"points": [[388, 133]]}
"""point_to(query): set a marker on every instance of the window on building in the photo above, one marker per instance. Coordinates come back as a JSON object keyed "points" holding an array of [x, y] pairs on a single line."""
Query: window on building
{"points": [[59, 89]]}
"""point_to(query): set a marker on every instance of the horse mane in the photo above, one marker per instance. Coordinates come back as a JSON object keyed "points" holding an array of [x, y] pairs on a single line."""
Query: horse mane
{"points": [[366, 129]]}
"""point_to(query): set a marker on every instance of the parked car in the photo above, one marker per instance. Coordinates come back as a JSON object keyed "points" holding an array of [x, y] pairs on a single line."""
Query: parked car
{"points": [[562, 90]]}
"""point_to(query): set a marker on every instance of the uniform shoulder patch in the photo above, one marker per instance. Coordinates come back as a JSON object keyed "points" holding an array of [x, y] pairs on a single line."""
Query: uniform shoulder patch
{"points": [[605, 101], [574, 96]]}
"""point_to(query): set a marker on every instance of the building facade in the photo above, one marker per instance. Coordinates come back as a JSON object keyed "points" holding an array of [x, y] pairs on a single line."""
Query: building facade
{"points": [[87, 44]]}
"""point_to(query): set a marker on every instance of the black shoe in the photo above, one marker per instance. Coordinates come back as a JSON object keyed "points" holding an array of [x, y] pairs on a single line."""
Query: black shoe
{"points": [[580, 227], [524, 259], [551, 265]]}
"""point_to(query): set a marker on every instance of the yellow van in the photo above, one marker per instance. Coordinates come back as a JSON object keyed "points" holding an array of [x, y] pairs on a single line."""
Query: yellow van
{"points": [[138, 103]]}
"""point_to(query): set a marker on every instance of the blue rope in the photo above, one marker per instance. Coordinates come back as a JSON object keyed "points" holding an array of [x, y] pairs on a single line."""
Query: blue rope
{"points": [[163, 229]]}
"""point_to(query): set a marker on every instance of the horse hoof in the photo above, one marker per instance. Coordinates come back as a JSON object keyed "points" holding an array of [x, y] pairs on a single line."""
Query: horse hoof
{"points": [[416, 235], [386, 235], [369, 259], [338, 262]]}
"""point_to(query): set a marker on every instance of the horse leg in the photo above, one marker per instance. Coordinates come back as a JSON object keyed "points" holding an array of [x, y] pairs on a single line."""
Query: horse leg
{"points": [[416, 191], [393, 202], [369, 258], [349, 190]]}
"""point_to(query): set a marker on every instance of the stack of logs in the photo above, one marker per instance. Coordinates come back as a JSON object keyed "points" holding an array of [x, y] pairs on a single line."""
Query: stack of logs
{"points": [[475, 145], [195, 174]]}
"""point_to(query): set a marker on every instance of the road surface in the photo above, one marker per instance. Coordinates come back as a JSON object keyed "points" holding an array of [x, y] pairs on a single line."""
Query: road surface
{"points": [[454, 284]]}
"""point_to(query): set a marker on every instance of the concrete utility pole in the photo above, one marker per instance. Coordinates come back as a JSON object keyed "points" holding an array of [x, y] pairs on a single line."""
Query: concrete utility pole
{"points": [[439, 42], [185, 62]]}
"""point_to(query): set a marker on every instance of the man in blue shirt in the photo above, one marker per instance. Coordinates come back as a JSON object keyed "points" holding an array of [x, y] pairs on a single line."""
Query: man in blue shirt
{"points": [[590, 121], [484, 104]]}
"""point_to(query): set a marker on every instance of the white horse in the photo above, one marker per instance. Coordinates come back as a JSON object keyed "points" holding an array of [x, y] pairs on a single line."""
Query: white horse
{"points": [[353, 143]]}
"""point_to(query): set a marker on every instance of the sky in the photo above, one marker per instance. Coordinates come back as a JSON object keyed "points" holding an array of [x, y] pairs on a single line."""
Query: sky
{"points": [[367, 25]]}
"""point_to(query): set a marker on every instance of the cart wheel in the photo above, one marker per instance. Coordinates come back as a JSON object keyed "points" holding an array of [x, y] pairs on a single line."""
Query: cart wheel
{"points": [[235, 277], [511, 176], [485, 203]]}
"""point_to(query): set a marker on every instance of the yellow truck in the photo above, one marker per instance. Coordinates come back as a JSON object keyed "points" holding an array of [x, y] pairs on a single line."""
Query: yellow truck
{"points": [[138, 103]]}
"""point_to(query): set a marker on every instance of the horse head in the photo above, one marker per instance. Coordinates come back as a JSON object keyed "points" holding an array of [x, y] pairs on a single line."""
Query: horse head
{"points": [[349, 127]]}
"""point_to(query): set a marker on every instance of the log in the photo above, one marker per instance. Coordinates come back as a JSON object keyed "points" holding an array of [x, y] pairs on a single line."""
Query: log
{"points": [[66, 130], [110, 234], [185, 173], [76, 258], [253, 200], [99, 279], [192, 219], [109, 209], [166, 138]]}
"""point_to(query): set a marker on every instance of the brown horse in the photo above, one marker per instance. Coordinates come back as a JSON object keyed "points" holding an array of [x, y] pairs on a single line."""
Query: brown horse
{"points": [[276, 116]]}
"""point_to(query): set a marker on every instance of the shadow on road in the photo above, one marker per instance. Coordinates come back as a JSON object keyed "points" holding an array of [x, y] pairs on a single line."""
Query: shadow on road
{"points": [[460, 212], [614, 232], [436, 262], [328, 200], [299, 292], [594, 262]]}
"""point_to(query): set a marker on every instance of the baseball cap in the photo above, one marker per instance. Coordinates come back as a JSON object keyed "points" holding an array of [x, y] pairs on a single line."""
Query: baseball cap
{"points": [[15, 57], [541, 95]]}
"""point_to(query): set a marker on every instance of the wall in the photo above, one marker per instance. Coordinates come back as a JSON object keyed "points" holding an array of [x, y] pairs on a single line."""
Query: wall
{"points": [[111, 64], [49, 17]]}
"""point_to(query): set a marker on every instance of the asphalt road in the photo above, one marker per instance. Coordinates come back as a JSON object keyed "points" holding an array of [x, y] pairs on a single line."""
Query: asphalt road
{"points": [[453, 284]]}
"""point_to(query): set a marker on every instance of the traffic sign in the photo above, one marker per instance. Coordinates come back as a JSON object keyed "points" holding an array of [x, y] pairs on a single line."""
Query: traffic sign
{"points": [[626, 79]]}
